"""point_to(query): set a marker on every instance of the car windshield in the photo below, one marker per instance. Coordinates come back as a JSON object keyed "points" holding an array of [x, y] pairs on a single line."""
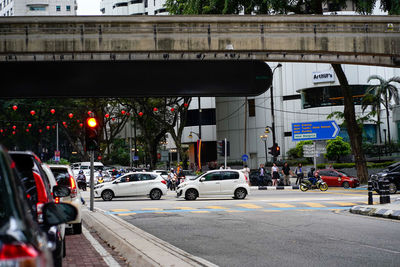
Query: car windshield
{"points": [[98, 168], [194, 178], [393, 168], [344, 173]]}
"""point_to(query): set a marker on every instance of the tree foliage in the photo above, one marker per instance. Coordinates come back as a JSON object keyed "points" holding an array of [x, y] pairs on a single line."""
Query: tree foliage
{"points": [[336, 148]]}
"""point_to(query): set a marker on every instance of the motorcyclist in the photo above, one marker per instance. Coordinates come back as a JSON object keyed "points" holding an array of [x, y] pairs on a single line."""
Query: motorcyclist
{"points": [[81, 177], [100, 178], [314, 178]]}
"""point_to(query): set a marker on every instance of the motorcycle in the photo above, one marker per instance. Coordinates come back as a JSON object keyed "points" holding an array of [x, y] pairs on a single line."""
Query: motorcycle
{"points": [[319, 184], [100, 180]]}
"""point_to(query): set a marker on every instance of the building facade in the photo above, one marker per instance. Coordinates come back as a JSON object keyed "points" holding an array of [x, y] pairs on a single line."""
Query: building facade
{"points": [[38, 7]]}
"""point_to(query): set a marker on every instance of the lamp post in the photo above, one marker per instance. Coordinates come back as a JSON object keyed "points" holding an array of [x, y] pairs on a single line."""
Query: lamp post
{"points": [[272, 107], [198, 148], [265, 138]]}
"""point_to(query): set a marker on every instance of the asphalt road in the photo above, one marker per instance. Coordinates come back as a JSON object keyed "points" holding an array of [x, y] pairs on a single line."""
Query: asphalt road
{"points": [[269, 228]]}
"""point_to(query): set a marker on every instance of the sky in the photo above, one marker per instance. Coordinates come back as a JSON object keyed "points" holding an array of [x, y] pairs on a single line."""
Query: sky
{"points": [[88, 7]]}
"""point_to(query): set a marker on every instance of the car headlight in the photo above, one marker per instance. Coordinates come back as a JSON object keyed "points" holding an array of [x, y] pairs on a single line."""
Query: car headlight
{"points": [[98, 186], [384, 174], [182, 185]]}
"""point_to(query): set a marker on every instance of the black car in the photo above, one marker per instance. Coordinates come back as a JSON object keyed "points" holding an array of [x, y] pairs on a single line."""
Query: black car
{"points": [[22, 242], [254, 179], [392, 174], [39, 192]]}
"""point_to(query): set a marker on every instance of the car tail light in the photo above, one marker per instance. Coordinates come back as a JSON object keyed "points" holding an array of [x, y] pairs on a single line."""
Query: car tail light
{"points": [[163, 181], [73, 186], [57, 200], [13, 251], [39, 212], [246, 178]]}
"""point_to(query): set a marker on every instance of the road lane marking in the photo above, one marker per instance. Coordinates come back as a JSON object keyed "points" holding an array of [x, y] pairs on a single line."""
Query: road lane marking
{"points": [[347, 204], [249, 206], [200, 211], [151, 209], [185, 208], [314, 205], [162, 212], [126, 214], [272, 210], [281, 205], [234, 210], [117, 210], [216, 207]]}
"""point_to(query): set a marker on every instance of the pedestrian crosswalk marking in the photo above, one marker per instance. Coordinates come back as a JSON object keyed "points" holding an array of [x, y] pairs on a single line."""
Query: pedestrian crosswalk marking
{"points": [[314, 205], [200, 211], [343, 203], [249, 206], [216, 207], [126, 214], [281, 205], [234, 210], [118, 210], [151, 209], [185, 208]]}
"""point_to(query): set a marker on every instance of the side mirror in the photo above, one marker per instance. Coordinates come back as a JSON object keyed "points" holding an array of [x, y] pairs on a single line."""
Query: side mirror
{"points": [[202, 179], [61, 191], [54, 214]]}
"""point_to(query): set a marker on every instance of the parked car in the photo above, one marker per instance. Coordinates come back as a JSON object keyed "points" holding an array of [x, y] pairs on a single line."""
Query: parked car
{"points": [[338, 178], [392, 174], [39, 192], [133, 184], [64, 177], [254, 181], [215, 182]]}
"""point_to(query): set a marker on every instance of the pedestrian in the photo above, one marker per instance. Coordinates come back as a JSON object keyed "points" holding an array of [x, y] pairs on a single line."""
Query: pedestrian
{"points": [[286, 173], [275, 174], [222, 167], [330, 167], [246, 172], [299, 173], [261, 175]]}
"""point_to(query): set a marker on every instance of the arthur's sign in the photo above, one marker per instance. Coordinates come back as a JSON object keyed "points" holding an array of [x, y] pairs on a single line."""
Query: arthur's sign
{"points": [[323, 76]]}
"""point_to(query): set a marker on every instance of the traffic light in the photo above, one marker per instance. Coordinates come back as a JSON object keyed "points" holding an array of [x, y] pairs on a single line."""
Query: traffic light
{"points": [[92, 134], [271, 150], [275, 150]]}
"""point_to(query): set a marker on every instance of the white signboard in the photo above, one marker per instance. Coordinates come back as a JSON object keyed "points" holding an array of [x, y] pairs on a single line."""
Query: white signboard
{"points": [[323, 76]]}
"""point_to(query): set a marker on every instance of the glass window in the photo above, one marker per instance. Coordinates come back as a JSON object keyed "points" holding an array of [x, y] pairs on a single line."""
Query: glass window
{"points": [[61, 175], [207, 117], [37, 8], [68, 8], [1, 6], [212, 176], [58, 8], [230, 175]]}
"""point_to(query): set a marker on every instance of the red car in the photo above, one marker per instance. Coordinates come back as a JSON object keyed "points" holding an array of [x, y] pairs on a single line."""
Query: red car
{"points": [[338, 178]]}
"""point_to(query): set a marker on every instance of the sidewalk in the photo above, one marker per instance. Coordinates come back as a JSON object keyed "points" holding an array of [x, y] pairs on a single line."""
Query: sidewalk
{"points": [[391, 211]]}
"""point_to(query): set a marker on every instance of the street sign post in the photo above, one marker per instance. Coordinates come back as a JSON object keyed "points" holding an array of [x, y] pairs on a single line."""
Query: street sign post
{"points": [[245, 157], [316, 130]]}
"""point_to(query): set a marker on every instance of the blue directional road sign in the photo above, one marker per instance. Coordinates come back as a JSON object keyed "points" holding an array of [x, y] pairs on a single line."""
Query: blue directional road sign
{"points": [[245, 157], [316, 130]]}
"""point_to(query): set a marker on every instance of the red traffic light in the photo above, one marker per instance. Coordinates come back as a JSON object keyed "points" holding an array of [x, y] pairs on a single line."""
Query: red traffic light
{"points": [[91, 122]]}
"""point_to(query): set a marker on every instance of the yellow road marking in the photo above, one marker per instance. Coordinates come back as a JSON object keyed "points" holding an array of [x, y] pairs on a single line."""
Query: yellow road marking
{"points": [[117, 210], [185, 208], [281, 205], [314, 205], [343, 203], [234, 210], [249, 206], [200, 211], [126, 214], [272, 210], [151, 209], [216, 207]]}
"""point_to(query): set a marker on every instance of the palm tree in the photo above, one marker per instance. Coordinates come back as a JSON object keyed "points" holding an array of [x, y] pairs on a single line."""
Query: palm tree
{"points": [[385, 91], [375, 102]]}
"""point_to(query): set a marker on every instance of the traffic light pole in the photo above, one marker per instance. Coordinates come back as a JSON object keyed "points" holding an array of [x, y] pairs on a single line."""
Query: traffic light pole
{"points": [[226, 151], [91, 180]]}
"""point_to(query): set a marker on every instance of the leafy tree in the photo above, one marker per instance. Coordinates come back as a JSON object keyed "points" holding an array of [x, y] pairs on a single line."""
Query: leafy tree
{"points": [[336, 148], [375, 103], [383, 93]]}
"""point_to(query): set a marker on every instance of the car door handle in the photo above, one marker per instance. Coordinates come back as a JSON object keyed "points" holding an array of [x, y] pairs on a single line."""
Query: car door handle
{"points": [[216, 183]]}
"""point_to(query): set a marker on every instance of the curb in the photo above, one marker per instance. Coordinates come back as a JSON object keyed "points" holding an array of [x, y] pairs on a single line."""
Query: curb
{"points": [[138, 247], [384, 211], [279, 187]]}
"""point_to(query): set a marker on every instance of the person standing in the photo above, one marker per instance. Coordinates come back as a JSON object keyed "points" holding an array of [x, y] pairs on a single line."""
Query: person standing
{"points": [[286, 173], [299, 173], [261, 175], [275, 174], [246, 172]]}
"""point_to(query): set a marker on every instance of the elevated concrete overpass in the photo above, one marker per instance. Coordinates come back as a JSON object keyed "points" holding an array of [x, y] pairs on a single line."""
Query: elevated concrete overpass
{"points": [[368, 40]]}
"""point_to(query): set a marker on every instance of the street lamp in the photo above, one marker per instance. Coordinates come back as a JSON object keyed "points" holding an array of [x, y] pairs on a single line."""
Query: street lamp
{"points": [[265, 138], [198, 148], [272, 106]]}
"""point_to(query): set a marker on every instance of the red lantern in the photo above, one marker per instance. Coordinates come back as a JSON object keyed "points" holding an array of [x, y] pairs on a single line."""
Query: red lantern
{"points": [[107, 115], [70, 115], [123, 112], [52, 111], [27, 130], [33, 112], [13, 132], [155, 109], [1, 130], [99, 157], [64, 123], [186, 105], [48, 127], [40, 130], [15, 108], [65, 126], [89, 112], [29, 125], [14, 127], [81, 125], [128, 114], [113, 119], [140, 114], [172, 109], [78, 121], [54, 126]]}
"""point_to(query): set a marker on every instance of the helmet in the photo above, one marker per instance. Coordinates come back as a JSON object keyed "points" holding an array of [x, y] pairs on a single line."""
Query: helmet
{"points": [[80, 172]]}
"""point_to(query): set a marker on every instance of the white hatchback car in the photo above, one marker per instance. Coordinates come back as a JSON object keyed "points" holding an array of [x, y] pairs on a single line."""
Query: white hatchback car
{"points": [[216, 182], [133, 184]]}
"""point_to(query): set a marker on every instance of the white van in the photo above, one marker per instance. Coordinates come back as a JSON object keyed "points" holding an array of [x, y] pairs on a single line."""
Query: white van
{"points": [[85, 167]]}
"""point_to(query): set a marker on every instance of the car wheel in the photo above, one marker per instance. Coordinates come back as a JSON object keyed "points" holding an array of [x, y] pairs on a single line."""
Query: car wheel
{"points": [[155, 194], [346, 185], [240, 193], [77, 227], [107, 195], [392, 188], [191, 194]]}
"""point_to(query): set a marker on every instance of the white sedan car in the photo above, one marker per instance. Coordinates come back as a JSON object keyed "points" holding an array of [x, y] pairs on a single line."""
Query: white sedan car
{"points": [[216, 182], [131, 185]]}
